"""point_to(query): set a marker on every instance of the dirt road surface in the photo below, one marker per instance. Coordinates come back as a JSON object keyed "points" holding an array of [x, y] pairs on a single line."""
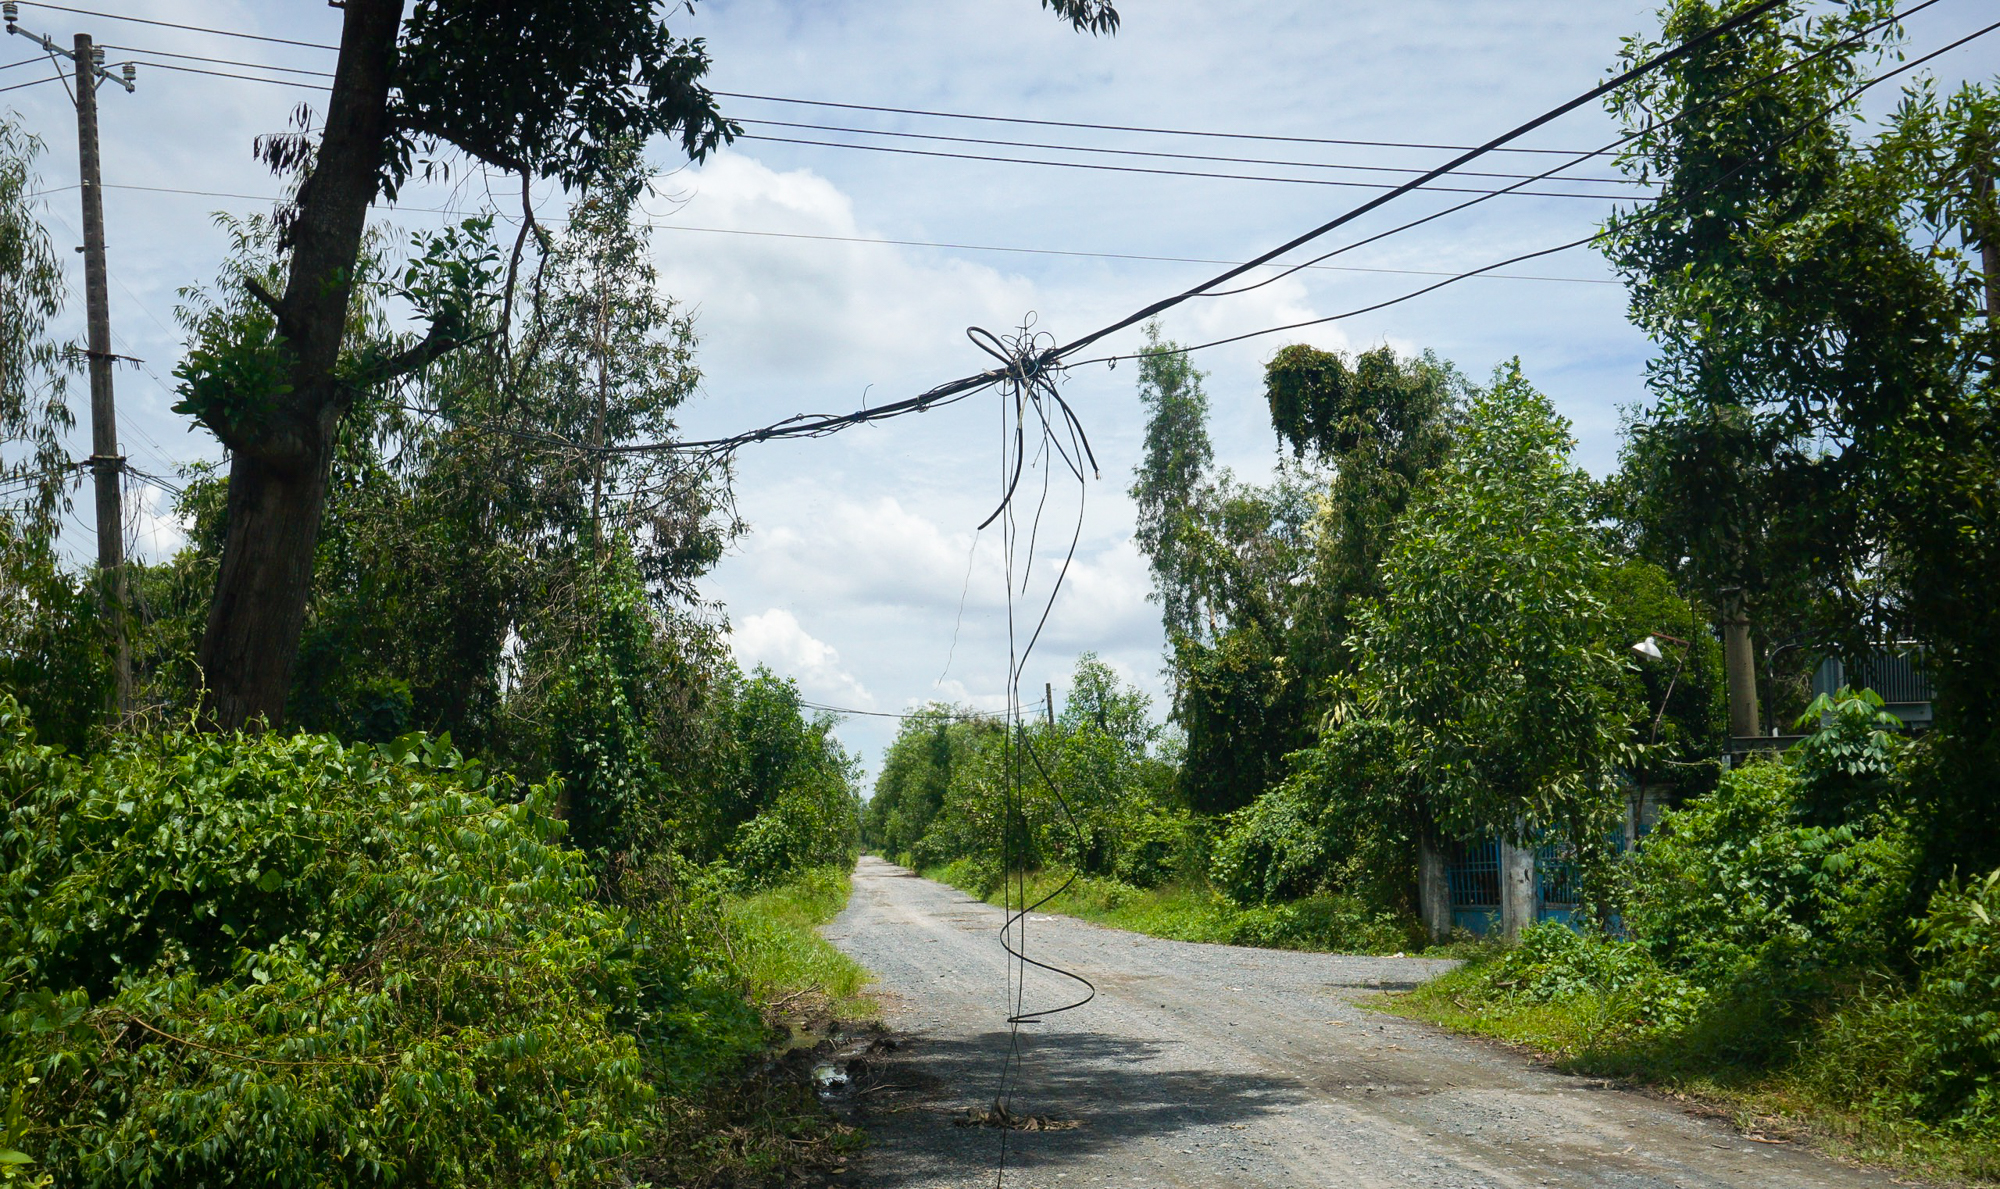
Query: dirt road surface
{"points": [[1202, 1065]]}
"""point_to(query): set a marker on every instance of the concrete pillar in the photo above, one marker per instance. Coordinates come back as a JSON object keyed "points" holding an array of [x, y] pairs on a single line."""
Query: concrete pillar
{"points": [[1517, 889], [1433, 890], [1739, 663]]}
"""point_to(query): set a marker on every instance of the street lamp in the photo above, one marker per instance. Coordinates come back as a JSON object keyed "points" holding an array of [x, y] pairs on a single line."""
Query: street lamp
{"points": [[1650, 649]]}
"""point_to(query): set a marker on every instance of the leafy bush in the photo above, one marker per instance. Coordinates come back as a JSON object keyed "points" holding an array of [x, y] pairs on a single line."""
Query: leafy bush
{"points": [[1931, 1055], [1336, 823], [1734, 887], [286, 961], [1160, 845]]}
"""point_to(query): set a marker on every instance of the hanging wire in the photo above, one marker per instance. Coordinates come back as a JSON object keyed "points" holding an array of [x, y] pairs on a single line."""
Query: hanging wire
{"points": [[1031, 403]]}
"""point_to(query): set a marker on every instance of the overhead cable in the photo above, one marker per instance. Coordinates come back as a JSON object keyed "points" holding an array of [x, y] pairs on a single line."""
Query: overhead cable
{"points": [[135, 49], [956, 115], [1857, 92], [1162, 153], [112, 16], [1616, 144], [1161, 171], [818, 425], [1551, 115], [888, 242]]}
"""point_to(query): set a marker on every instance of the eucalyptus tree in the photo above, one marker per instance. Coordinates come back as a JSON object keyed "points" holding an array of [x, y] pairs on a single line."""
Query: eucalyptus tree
{"points": [[34, 366], [538, 88]]}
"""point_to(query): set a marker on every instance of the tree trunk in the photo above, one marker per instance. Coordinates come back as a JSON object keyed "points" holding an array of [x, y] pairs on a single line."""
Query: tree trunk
{"points": [[260, 595], [280, 466]]}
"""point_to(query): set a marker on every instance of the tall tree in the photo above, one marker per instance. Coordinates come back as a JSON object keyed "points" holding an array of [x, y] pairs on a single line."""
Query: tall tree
{"points": [[1170, 481], [1380, 424], [1822, 444], [1487, 649], [544, 88], [34, 367]]}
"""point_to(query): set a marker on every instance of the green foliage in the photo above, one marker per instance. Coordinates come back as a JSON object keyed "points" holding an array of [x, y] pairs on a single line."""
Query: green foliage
{"points": [[1167, 484], [1383, 425], [1241, 712], [1093, 795], [285, 959], [1931, 1055], [929, 747], [774, 941], [1339, 822], [1192, 911], [1821, 444], [1763, 966], [1736, 889], [1488, 648], [234, 372], [55, 655], [34, 369], [1848, 761]]}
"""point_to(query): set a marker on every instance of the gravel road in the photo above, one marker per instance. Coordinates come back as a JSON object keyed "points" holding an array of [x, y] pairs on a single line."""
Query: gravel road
{"points": [[1203, 1065]]}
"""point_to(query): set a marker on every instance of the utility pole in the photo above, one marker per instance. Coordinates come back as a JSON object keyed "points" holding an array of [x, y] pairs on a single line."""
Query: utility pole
{"points": [[1739, 664], [1049, 702], [105, 460]]}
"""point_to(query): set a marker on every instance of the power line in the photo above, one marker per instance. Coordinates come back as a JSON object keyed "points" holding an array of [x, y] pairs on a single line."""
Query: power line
{"points": [[36, 83], [941, 153], [1577, 243], [1422, 183], [276, 82], [1591, 96], [972, 716], [1070, 148], [134, 49], [1677, 117], [890, 242], [954, 115], [112, 16]]}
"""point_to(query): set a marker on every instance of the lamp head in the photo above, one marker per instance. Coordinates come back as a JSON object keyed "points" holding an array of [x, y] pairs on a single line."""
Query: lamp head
{"points": [[1648, 648]]}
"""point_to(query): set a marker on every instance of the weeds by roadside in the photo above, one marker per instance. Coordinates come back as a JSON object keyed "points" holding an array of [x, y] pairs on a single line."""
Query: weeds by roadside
{"points": [[1602, 1008], [783, 959], [769, 1127], [1196, 912]]}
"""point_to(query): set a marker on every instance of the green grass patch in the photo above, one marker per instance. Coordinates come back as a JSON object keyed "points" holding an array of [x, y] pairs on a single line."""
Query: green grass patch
{"points": [[774, 937], [1598, 1008], [1196, 912]]}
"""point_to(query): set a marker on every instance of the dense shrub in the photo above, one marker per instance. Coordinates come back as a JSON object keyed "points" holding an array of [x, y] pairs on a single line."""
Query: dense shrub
{"points": [[284, 961], [1736, 886], [1338, 822], [1931, 1055]]}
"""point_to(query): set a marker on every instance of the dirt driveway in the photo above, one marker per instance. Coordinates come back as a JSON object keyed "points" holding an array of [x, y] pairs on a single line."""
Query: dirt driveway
{"points": [[1203, 1065]]}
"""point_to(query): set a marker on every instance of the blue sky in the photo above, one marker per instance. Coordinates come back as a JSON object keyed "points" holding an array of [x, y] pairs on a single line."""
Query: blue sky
{"points": [[862, 575]]}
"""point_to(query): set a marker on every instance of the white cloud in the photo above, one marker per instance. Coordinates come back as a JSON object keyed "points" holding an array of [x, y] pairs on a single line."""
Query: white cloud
{"points": [[153, 529], [775, 639], [803, 307]]}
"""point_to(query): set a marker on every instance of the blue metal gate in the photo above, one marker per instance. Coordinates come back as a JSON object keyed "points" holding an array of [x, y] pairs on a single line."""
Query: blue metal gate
{"points": [[1473, 874]]}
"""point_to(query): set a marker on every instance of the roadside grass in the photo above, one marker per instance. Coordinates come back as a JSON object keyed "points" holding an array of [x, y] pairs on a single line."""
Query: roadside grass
{"points": [[1786, 1098], [766, 1127], [1196, 912], [774, 937]]}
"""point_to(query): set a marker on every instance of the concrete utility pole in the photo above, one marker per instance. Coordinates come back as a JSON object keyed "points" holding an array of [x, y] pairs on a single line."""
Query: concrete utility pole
{"points": [[1739, 663], [1049, 702], [105, 460]]}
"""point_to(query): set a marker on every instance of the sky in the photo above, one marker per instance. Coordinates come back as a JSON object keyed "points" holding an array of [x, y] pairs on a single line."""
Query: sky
{"points": [[863, 575]]}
